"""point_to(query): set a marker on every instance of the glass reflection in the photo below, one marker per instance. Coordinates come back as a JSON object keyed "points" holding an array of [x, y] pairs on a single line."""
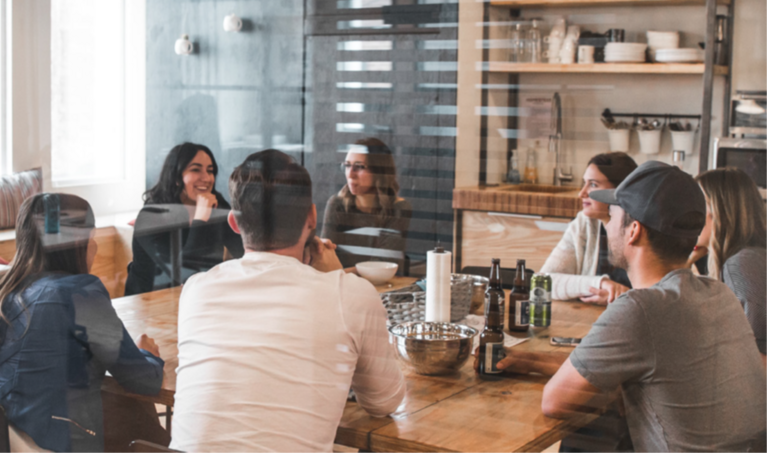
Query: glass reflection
{"points": [[367, 219]]}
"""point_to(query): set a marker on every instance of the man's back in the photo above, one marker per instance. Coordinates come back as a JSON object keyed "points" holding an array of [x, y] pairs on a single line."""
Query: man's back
{"points": [[686, 358], [268, 349]]}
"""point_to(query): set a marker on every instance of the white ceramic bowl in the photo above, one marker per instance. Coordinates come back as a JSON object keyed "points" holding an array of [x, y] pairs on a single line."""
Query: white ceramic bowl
{"points": [[376, 272]]}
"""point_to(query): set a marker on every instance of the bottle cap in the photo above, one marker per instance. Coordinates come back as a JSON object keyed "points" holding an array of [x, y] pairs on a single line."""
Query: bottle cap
{"points": [[439, 250], [496, 261]]}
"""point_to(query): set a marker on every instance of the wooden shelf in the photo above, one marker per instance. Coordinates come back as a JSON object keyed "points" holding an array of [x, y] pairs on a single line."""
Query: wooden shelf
{"points": [[576, 3], [603, 68]]}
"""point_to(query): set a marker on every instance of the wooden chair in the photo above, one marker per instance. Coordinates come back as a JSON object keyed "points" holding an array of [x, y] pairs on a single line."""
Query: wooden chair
{"points": [[142, 446], [507, 275]]}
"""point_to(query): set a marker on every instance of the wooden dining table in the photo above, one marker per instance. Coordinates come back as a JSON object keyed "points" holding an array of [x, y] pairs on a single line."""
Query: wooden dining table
{"points": [[456, 412]]}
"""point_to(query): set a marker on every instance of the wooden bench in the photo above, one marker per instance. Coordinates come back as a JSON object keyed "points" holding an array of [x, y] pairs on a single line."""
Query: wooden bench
{"points": [[113, 236]]}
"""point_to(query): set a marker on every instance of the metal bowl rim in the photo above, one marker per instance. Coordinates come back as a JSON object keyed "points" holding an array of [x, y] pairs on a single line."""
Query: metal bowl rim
{"points": [[467, 332]]}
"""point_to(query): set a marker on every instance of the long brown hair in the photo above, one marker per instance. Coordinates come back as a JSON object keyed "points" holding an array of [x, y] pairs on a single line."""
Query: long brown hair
{"points": [[38, 252], [170, 184], [380, 162], [738, 215]]}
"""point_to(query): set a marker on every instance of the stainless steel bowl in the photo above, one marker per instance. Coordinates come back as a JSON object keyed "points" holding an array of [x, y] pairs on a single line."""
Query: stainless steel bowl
{"points": [[432, 347]]}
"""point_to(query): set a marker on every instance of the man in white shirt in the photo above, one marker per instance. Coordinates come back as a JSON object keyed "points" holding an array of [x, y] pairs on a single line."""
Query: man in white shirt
{"points": [[269, 346]]}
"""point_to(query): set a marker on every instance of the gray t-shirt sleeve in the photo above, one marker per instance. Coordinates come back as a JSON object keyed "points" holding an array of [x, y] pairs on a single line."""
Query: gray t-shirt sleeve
{"points": [[743, 273], [618, 348]]}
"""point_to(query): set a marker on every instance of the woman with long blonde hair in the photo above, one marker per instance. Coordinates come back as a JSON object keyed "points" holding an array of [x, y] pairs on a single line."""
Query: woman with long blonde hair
{"points": [[370, 199], [734, 239]]}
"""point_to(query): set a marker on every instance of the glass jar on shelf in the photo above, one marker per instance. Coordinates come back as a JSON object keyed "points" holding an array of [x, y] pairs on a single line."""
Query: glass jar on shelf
{"points": [[534, 43], [517, 38]]}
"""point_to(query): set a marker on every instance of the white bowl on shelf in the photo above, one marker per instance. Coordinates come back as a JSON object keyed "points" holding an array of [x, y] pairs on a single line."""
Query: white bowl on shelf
{"points": [[376, 272], [625, 47], [686, 55], [625, 52], [663, 39]]}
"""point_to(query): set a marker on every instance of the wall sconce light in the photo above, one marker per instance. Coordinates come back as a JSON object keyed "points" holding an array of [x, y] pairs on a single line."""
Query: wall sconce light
{"points": [[232, 23], [183, 45]]}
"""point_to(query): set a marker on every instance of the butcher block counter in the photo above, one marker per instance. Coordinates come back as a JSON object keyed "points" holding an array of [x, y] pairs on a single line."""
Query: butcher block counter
{"points": [[510, 222]]}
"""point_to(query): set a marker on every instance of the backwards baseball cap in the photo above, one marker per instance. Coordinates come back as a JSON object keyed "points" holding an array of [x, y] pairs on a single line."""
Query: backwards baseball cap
{"points": [[658, 195]]}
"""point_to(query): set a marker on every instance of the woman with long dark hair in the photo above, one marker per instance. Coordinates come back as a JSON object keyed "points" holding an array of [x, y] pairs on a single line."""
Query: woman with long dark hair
{"points": [[370, 199], [60, 334], [188, 179], [735, 241]]}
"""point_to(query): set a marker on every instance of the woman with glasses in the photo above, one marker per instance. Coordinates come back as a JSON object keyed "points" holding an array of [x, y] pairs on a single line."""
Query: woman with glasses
{"points": [[367, 219]]}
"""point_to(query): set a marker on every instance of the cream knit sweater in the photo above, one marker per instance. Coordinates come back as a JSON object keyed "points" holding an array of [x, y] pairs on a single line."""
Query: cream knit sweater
{"points": [[573, 262]]}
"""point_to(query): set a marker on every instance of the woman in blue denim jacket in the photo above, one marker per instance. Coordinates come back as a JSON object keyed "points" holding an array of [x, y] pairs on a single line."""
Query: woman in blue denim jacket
{"points": [[60, 333]]}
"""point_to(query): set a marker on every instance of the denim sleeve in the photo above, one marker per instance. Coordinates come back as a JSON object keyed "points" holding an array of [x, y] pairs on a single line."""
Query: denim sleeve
{"points": [[136, 370]]}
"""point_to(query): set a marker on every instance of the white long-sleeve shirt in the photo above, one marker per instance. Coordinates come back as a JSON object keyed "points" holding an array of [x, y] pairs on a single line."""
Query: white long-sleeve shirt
{"points": [[573, 262], [268, 349]]}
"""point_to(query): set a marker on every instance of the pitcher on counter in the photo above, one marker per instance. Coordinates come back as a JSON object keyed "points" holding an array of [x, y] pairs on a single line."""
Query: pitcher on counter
{"points": [[578, 265]]}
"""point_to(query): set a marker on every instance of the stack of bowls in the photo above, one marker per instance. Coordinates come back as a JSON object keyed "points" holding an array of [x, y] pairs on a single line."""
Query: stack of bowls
{"points": [[625, 52], [657, 40]]}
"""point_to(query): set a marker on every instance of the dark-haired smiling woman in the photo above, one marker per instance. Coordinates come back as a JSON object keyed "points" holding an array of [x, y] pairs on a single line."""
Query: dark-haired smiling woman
{"points": [[188, 178]]}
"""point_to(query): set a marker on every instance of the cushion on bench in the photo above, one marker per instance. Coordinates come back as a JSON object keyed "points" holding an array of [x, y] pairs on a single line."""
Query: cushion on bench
{"points": [[14, 189]]}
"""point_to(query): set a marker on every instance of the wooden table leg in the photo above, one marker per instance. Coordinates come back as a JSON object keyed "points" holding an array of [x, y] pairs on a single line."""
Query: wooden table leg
{"points": [[168, 418]]}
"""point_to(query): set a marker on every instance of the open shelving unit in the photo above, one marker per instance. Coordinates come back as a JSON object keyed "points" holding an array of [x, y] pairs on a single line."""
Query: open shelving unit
{"points": [[604, 68], [707, 70], [571, 3]]}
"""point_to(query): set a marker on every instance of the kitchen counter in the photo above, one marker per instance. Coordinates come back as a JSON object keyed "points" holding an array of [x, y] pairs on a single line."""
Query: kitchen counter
{"points": [[532, 199], [510, 222]]}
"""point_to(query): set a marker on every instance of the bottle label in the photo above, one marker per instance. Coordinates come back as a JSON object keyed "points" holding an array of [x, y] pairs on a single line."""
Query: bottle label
{"points": [[522, 313], [494, 353]]}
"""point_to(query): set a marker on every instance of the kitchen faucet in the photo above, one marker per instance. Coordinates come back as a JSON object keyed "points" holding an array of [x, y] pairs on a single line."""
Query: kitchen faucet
{"points": [[555, 141]]}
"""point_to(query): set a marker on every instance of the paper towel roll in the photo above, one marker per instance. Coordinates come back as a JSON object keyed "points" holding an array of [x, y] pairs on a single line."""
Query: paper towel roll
{"points": [[438, 274]]}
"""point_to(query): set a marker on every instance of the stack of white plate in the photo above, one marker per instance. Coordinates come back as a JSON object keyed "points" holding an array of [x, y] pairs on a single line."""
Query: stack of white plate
{"points": [[686, 55], [625, 52], [661, 40]]}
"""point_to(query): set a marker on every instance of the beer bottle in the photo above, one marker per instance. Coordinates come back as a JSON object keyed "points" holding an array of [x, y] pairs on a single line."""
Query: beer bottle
{"points": [[519, 305], [491, 339]]}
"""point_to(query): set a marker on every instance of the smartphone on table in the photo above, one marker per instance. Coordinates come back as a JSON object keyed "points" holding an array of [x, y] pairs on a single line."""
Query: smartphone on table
{"points": [[565, 341]]}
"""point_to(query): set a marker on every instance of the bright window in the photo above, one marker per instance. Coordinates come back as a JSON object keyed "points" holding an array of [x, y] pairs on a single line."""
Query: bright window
{"points": [[6, 164], [88, 91]]}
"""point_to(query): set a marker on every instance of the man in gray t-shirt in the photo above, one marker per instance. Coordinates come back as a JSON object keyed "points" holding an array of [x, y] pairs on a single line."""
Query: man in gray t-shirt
{"points": [[686, 361], [678, 346]]}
